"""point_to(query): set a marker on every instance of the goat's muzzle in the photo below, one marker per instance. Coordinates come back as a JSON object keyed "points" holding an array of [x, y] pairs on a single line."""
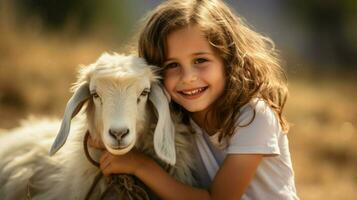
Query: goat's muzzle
{"points": [[119, 135]]}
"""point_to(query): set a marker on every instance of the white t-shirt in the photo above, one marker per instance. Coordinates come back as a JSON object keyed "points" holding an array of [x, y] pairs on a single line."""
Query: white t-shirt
{"points": [[274, 177]]}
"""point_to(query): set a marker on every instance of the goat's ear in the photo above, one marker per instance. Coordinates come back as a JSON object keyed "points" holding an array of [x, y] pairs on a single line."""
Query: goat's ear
{"points": [[164, 136], [73, 107]]}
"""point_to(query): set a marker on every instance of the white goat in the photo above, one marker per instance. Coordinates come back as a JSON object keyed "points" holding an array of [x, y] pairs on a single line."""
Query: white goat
{"points": [[125, 107]]}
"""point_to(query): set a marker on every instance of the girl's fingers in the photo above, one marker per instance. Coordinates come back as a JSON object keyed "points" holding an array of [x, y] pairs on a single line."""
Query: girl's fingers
{"points": [[106, 170], [104, 164], [110, 164], [104, 157]]}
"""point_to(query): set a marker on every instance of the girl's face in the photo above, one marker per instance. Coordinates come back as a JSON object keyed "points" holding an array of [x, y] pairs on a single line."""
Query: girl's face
{"points": [[194, 73]]}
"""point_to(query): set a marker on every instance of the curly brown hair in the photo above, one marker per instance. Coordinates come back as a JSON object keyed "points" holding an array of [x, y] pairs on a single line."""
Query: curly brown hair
{"points": [[252, 66]]}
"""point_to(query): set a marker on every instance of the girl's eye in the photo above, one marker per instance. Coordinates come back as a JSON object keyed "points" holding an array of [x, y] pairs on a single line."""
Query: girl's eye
{"points": [[171, 65], [200, 60]]}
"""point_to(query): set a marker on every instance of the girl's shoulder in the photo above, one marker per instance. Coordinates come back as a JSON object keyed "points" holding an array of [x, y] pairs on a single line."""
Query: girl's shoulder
{"points": [[254, 112], [257, 130]]}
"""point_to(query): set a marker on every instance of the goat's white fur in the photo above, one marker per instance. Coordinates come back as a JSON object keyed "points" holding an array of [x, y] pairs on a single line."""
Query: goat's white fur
{"points": [[119, 81]]}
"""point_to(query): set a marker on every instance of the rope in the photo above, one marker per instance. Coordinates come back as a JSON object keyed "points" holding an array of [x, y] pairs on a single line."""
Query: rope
{"points": [[28, 193], [85, 146], [127, 187]]}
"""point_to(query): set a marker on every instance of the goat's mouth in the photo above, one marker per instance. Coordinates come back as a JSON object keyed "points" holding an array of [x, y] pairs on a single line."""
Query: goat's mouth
{"points": [[120, 149], [119, 146]]}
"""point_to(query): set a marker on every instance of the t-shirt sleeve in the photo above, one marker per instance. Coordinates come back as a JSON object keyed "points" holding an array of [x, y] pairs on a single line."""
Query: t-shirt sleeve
{"points": [[260, 136]]}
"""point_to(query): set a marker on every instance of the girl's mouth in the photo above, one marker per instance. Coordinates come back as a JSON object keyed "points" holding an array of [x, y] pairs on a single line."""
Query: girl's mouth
{"points": [[194, 92]]}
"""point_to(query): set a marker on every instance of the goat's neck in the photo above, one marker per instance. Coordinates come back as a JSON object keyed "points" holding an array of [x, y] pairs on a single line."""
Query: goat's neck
{"points": [[148, 126]]}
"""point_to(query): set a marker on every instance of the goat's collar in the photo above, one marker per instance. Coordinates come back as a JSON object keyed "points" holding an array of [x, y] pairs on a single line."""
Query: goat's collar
{"points": [[85, 146]]}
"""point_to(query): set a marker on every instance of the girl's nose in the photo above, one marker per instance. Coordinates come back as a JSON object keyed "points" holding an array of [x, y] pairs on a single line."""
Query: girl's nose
{"points": [[189, 76]]}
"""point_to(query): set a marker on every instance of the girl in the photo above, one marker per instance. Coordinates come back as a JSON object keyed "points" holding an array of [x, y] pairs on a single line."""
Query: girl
{"points": [[226, 81]]}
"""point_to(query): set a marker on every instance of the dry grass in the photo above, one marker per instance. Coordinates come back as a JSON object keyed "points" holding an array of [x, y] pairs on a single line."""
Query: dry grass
{"points": [[37, 68], [323, 137], [36, 72]]}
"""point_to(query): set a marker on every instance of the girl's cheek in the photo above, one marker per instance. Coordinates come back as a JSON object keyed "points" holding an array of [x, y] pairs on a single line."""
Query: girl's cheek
{"points": [[172, 72], [169, 82], [204, 69], [171, 75]]}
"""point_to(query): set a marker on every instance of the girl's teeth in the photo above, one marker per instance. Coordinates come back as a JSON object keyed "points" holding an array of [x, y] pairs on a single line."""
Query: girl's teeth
{"points": [[193, 92]]}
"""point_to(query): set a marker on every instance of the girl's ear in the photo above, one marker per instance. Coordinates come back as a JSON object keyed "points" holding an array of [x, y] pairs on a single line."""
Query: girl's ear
{"points": [[164, 135], [74, 105]]}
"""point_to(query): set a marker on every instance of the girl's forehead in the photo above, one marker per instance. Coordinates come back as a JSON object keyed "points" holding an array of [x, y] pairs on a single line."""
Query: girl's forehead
{"points": [[191, 29], [189, 39]]}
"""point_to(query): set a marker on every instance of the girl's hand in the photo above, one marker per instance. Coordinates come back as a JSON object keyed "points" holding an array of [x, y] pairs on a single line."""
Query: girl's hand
{"points": [[128, 163], [98, 144]]}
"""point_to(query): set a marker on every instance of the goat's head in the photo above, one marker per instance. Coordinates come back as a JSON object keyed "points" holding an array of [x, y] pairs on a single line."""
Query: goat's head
{"points": [[117, 89]]}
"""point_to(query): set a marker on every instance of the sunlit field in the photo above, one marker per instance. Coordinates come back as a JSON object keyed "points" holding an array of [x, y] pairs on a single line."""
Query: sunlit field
{"points": [[323, 137], [36, 72]]}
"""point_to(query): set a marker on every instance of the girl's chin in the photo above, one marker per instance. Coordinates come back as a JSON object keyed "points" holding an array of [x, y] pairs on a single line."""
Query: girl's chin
{"points": [[194, 108]]}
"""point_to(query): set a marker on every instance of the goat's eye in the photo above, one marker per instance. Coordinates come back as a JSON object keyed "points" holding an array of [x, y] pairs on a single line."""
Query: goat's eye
{"points": [[95, 95], [145, 92]]}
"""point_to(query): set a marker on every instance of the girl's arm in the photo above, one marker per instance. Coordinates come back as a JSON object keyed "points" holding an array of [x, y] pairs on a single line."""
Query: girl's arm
{"points": [[234, 176], [231, 180], [165, 186]]}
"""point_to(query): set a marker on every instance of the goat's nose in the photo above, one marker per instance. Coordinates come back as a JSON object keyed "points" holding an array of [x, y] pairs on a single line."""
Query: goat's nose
{"points": [[119, 134]]}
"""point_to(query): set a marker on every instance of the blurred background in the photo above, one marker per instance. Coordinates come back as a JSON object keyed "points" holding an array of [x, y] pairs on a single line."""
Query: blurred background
{"points": [[42, 43]]}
